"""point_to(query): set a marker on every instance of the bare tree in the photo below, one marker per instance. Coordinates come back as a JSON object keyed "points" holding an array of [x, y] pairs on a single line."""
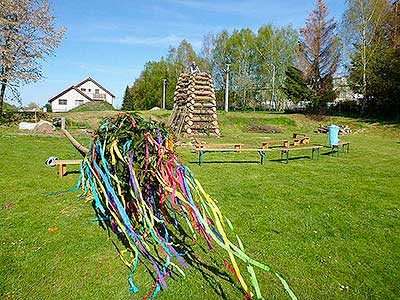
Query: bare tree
{"points": [[319, 52], [27, 36]]}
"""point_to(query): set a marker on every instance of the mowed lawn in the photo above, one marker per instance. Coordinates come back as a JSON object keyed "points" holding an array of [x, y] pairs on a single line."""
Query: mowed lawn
{"points": [[331, 226]]}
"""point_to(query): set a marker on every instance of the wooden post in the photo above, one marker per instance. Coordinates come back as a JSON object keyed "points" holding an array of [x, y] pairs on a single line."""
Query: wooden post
{"points": [[63, 123]]}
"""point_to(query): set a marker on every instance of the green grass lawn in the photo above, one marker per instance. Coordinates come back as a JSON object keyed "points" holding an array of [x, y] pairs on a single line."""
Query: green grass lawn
{"points": [[330, 226]]}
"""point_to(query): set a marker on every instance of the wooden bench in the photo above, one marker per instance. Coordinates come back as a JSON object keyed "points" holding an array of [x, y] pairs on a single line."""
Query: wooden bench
{"points": [[265, 145], [202, 150], [300, 139], [285, 151], [338, 145], [234, 146], [62, 165]]}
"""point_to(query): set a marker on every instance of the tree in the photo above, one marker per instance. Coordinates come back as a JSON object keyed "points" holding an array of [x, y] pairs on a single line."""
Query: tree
{"points": [[295, 86], [127, 102], [146, 91], [27, 36], [319, 54], [363, 23], [275, 54], [375, 67], [254, 59]]}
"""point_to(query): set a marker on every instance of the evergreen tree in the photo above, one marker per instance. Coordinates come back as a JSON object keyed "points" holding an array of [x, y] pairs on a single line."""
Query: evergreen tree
{"points": [[127, 103], [295, 87], [319, 54]]}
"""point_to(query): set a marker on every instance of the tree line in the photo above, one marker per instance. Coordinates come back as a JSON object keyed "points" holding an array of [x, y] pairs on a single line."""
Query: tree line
{"points": [[270, 68], [276, 67]]}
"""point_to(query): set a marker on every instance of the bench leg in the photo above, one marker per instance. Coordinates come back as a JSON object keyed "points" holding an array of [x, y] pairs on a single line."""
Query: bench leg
{"points": [[312, 153], [201, 158], [287, 156], [62, 169], [263, 155]]}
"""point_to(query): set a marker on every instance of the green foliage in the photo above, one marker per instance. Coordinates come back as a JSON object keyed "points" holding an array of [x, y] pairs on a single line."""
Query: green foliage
{"points": [[146, 91], [93, 106], [15, 117], [253, 59], [127, 102], [383, 82], [7, 107], [48, 107], [371, 35], [295, 87], [375, 59]]}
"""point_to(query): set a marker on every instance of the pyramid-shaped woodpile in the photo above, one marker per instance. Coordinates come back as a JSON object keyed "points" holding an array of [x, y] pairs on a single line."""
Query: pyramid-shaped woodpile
{"points": [[195, 106]]}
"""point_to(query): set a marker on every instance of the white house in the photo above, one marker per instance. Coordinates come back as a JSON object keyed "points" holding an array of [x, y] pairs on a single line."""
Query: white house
{"points": [[85, 91]]}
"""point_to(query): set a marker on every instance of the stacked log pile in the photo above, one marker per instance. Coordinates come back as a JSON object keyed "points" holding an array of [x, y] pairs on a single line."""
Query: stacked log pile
{"points": [[195, 106], [344, 129]]}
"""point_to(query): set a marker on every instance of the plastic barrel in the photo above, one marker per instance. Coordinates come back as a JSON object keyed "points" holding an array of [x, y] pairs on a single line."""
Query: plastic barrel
{"points": [[333, 132]]}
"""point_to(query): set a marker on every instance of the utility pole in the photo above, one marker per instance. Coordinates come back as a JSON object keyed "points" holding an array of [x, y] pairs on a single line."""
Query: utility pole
{"points": [[164, 81], [273, 84], [227, 88]]}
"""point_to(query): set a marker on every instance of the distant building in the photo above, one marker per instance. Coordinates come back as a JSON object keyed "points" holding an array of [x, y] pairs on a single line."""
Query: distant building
{"points": [[343, 91], [83, 92]]}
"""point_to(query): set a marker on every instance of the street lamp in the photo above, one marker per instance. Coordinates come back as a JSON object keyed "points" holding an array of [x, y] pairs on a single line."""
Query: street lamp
{"points": [[226, 106]]}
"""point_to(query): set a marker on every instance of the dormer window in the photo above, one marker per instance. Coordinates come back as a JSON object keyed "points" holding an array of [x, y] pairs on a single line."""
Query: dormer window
{"points": [[89, 90]]}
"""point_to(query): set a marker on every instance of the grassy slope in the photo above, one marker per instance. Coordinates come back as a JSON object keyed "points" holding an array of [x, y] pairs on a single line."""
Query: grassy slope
{"points": [[323, 224]]}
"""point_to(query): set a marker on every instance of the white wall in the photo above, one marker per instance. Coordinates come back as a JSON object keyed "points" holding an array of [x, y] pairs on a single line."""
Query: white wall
{"points": [[89, 85], [70, 96]]}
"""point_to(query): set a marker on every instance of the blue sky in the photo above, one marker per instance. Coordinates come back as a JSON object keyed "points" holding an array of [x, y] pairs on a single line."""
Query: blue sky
{"points": [[112, 40]]}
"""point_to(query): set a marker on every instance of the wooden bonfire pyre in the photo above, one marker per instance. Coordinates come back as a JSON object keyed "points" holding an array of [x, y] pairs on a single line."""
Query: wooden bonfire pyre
{"points": [[195, 109]]}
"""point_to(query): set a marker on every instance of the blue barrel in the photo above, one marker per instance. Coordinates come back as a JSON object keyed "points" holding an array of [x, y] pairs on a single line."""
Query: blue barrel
{"points": [[333, 134]]}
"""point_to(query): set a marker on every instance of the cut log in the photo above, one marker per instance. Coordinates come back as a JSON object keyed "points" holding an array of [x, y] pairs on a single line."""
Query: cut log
{"points": [[202, 127], [205, 104], [204, 93], [203, 98]]}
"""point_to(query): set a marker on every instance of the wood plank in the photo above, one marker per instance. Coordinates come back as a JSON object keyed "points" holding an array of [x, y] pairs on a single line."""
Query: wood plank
{"points": [[68, 161]]}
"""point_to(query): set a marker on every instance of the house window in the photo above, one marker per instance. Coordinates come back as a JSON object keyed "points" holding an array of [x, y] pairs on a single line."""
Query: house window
{"points": [[62, 101], [78, 102], [83, 89], [97, 91], [89, 90]]}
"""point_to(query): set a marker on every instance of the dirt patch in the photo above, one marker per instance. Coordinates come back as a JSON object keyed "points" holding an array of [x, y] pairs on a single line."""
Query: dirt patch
{"points": [[317, 118], [263, 128]]}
